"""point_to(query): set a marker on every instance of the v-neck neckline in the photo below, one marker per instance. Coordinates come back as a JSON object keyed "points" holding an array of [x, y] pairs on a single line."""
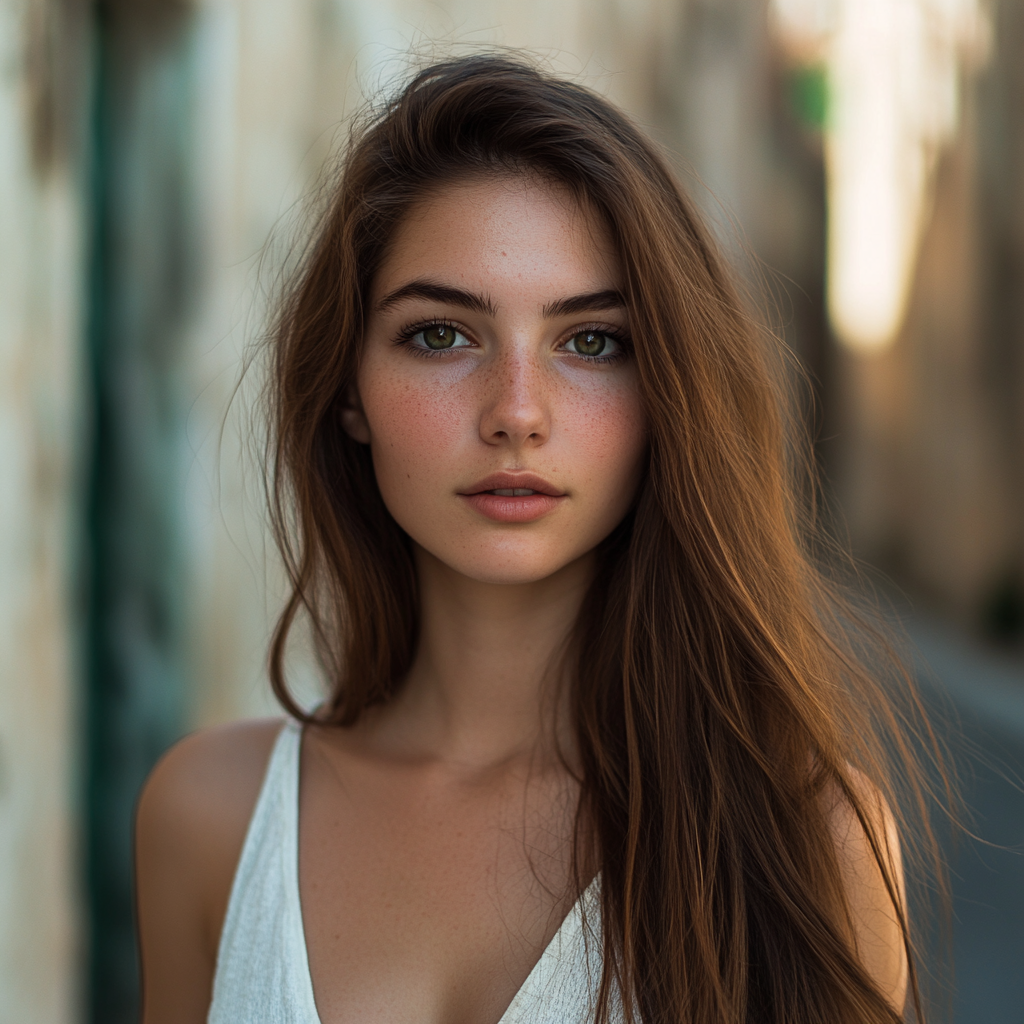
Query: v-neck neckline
{"points": [[550, 951]]}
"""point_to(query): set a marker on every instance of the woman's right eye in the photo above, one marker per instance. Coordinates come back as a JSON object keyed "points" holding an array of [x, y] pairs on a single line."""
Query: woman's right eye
{"points": [[438, 338]]}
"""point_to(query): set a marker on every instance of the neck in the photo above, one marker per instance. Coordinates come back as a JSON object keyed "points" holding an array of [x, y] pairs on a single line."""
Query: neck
{"points": [[485, 685]]}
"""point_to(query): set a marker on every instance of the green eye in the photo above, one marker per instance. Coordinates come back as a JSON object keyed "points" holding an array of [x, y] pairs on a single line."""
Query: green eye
{"points": [[589, 343], [439, 336]]}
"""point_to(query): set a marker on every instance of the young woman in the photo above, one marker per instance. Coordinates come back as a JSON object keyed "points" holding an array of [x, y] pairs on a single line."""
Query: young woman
{"points": [[595, 748]]}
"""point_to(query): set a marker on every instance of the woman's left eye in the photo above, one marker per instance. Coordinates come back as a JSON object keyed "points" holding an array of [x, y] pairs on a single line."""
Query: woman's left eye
{"points": [[592, 343], [439, 338]]}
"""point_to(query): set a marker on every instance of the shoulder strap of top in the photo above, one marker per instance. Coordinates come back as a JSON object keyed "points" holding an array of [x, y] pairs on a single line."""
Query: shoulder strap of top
{"points": [[261, 958], [279, 793], [275, 818]]}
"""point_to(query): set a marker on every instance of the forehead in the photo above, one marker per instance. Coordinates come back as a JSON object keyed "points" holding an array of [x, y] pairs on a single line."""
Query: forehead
{"points": [[519, 236]]}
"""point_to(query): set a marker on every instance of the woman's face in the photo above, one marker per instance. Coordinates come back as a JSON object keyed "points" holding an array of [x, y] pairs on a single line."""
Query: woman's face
{"points": [[496, 390]]}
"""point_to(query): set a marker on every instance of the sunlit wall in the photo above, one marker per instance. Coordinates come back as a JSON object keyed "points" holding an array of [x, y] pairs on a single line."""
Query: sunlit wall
{"points": [[921, 114], [894, 71]]}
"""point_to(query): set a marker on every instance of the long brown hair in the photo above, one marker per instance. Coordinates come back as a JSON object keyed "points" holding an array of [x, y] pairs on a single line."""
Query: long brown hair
{"points": [[719, 681]]}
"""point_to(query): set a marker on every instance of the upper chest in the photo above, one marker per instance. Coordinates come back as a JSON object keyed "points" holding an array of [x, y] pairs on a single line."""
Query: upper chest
{"points": [[426, 895]]}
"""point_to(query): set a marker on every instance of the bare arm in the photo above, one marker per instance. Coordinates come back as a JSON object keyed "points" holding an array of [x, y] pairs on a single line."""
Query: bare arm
{"points": [[877, 931], [189, 828]]}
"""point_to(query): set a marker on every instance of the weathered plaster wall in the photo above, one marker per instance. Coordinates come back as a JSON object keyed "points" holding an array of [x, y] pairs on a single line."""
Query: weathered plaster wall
{"points": [[40, 443]]}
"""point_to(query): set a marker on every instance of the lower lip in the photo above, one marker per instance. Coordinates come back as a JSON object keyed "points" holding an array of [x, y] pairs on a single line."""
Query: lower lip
{"points": [[507, 509]]}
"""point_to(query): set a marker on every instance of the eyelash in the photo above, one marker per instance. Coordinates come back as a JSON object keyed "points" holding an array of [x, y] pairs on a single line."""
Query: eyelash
{"points": [[619, 337], [410, 332]]}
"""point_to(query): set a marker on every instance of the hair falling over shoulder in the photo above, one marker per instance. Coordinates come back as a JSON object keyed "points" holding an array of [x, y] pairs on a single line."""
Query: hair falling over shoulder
{"points": [[722, 686]]}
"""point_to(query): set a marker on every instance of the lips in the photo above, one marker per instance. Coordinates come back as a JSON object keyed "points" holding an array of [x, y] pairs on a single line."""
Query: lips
{"points": [[510, 482], [512, 497]]}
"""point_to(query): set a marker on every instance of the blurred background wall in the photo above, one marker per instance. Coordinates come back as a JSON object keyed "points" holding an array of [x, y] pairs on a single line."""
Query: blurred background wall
{"points": [[863, 160]]}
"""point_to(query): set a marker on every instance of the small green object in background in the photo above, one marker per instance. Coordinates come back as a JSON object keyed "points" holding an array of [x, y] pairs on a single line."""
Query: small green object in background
{"points": [[808, 94]]}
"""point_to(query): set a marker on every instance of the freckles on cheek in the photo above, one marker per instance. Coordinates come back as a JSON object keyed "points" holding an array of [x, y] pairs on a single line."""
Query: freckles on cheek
{"points": [[412, 427], [607, 430]]}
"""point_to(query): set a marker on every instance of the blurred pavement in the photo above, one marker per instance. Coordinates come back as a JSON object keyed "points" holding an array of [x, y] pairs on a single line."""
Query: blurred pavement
{"points": [[987, 692]]}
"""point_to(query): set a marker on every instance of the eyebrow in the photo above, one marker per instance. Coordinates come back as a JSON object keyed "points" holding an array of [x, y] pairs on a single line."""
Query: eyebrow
{"points": [[439, 293], [591, 301], [422, 289]]}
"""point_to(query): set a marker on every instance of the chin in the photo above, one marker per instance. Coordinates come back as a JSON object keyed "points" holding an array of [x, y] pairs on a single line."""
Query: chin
{"points": [[508, 564], [505, 575]]}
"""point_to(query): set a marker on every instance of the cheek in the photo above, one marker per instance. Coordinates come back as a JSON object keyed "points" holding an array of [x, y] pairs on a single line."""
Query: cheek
{"points": [[606, 434], [425, 430], [415, 425]]}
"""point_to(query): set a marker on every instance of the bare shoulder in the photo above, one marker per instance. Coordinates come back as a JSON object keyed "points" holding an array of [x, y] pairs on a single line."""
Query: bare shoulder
{"points": [[190, 826], [869, 890], [211, 777]]}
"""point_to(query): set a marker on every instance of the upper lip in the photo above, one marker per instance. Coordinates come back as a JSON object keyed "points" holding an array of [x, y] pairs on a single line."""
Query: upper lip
{"points": [[513, 479]]}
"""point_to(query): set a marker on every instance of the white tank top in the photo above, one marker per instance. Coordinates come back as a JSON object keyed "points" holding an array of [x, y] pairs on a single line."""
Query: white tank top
{"points": [[262, 969]]}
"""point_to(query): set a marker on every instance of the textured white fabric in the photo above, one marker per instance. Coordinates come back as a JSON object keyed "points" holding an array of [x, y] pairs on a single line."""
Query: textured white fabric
{"points": [[262, 969], [262, 972]]}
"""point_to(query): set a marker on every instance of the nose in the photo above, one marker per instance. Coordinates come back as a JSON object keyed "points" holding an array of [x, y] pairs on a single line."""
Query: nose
{"points": [[516, 411]]}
